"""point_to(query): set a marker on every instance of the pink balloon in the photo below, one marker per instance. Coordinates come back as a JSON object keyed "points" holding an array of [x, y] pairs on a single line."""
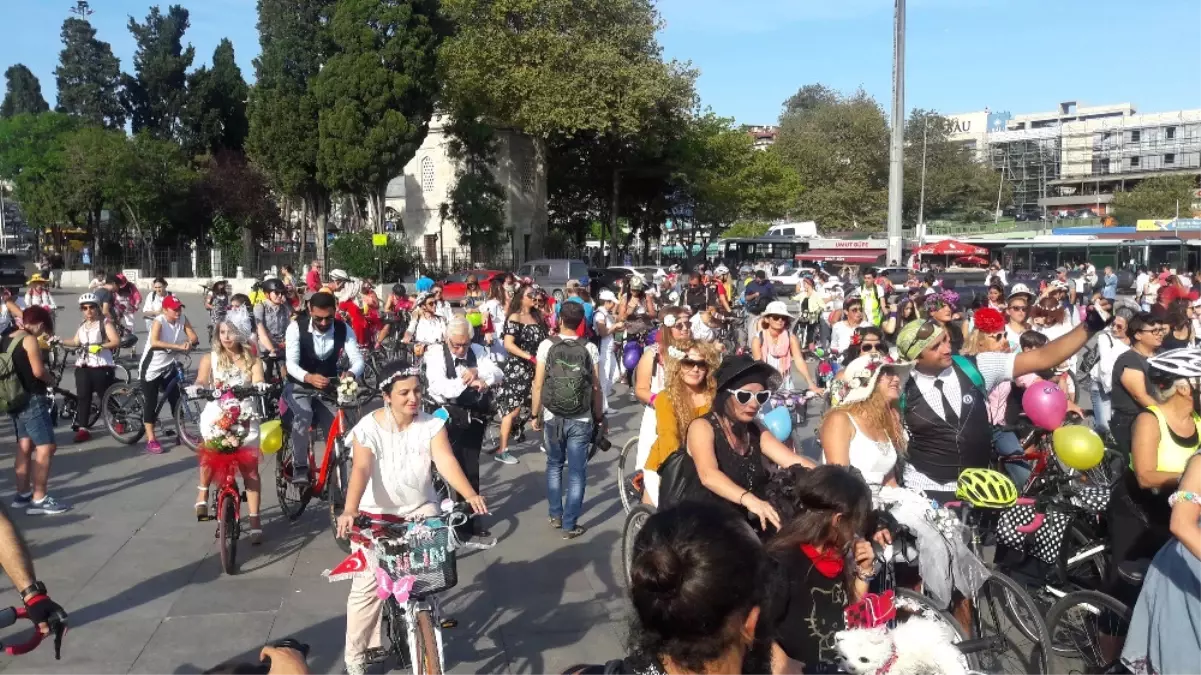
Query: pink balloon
{"points": [[1045, 404]]}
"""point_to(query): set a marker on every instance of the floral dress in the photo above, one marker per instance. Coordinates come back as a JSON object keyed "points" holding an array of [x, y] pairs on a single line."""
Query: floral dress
{"points": [[519, 373]]}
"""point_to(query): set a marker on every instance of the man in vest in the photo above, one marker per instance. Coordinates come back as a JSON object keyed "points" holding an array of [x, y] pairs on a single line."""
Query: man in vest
{"points": [[873, 305], [944, 401], [313, 343], [461, 378]]}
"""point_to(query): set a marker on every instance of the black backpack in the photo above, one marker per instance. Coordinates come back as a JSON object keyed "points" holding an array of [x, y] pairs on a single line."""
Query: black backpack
{"points": [[567, 386]]}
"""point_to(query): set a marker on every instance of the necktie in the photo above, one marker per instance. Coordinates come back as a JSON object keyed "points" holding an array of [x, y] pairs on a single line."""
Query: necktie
{"points": [[948, 412]]}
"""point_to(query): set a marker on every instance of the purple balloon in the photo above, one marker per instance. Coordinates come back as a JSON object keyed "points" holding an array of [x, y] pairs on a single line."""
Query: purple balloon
{"points": [[631, 354], [1045, 404]]}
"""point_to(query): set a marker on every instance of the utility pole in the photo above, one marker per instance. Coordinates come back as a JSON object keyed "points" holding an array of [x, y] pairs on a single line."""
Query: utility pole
{"points": [[896, 167], [921, 200]]}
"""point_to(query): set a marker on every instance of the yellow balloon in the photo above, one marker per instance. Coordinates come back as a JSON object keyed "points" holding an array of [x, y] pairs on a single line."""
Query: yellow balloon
{"points": [[271, 435], [1078, 447], [475, 319]]}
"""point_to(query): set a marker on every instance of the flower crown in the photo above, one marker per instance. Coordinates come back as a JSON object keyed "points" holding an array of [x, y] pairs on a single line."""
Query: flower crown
{"points": [[676, 353], [860, 378]]}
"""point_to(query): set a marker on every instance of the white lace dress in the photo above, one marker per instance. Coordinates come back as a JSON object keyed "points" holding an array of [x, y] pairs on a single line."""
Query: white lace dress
{"points": [[232, 376]]}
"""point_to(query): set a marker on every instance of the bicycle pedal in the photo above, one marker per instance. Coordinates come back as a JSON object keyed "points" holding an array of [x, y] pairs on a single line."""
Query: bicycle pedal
{"points": [[204, 519], [447, 624]]}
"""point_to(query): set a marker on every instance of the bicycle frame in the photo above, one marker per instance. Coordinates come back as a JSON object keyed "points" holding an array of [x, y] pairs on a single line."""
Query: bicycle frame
{"points": [[335, 432]]}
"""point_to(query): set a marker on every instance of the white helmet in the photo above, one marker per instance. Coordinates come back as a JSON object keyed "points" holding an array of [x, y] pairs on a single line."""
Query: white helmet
{"points": [[1183, 362], [721, 269], [88, 299], [339, 275]]}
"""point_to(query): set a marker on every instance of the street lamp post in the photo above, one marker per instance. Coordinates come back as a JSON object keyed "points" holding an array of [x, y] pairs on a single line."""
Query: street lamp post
{"points": [[896, 168]]}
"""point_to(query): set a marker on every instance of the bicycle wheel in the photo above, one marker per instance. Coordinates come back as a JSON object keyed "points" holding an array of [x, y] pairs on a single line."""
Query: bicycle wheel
{"points": [[1083, 559], [370, 378], [1087, 629], [428, 649], [121, 373], [1107, 473], [394, 630], [93, 413], [187, 421], [635, 520], [336, 483], [629, 484], [292, 498], [122, 406], [913, 605], [227, 534], [491, 442], [1004, 609]]}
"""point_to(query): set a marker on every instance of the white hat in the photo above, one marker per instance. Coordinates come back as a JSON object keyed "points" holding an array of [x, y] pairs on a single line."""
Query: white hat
{"points": [[777, 308], [607, 296], [339, 275], [1020, 289], [636, 282], [859, 379], [721, 269]]}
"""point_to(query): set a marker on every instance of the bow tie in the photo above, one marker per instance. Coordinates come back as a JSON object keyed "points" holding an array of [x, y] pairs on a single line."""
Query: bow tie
{"points": [[460, 362]]}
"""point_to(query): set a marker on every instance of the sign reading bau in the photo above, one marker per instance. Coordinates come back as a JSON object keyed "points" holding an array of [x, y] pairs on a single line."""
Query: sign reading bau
{"points": [[1173, 225]]}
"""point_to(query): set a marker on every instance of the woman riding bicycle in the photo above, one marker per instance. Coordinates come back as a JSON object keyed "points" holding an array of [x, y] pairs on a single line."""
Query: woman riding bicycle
{"points": [[636, 301], [230, 364], [170, 332], [865, 429], [94, 368], [729, 448], [779, 348], [1165, 436], [427, 327], [650, 378], [396, 450], [688, 395]]}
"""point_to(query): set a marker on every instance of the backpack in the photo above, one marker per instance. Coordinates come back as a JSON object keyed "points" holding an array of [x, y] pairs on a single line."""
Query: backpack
{"points": [[13, 396], [968, 366], [567, 387]]}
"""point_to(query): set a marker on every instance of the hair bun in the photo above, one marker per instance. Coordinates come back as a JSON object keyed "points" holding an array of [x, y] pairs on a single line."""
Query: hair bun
{"points": [[661, 571]]}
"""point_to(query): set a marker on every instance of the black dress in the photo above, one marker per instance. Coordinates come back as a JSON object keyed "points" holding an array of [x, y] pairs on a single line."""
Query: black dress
{"points": [[519, 373], [748, 471]]}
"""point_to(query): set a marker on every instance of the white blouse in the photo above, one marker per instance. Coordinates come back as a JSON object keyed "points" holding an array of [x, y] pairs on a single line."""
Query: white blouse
{"points": [[402, 478]]}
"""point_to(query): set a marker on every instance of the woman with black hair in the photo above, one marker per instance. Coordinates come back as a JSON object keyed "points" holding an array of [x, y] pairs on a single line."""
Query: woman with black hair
{"points": [[867, 340], [1180, 325], [823, 562], [524, 330], [728, 446]]}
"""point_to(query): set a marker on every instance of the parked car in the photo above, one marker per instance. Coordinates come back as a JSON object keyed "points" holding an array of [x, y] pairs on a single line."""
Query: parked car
{"points": [[12, 271], [455, 287], [553, 273]]}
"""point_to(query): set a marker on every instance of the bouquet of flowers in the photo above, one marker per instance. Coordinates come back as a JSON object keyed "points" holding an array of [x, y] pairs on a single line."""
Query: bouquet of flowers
{"points": [[222, 450]]}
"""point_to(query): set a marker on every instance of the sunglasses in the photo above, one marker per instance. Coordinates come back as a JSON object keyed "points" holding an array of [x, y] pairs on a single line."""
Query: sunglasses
{"points": [[744, 397], [997, 336], [1018, 308], [869, 347], [689, 364], [928, 328]]}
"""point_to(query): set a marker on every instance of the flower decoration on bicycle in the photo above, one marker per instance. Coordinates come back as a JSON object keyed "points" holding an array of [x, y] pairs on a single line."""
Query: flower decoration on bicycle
{"points": [[228, 428]]}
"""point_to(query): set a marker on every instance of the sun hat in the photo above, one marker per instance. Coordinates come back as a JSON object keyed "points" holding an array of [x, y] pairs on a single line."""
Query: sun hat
{"points": [[916, 336], [859, 379], [607, 296], [635, 282], [744, 369], [1020, 289], [777, 308], [339, 275], [35, 279]]}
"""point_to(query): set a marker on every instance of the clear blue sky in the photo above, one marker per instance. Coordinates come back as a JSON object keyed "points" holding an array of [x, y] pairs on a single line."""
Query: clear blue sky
{"points": [[962, 55]]}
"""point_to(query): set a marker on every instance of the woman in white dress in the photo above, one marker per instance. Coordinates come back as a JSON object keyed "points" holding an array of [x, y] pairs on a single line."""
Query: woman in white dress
{"points": [[230, 364], [864, 430], [494, 312]]}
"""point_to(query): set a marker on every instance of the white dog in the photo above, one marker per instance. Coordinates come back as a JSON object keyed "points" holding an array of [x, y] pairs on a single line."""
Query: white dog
{"points": [[915, 647]]}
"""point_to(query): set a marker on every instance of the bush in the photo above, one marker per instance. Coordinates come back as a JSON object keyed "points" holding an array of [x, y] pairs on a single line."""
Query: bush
{"points": [[355, 253]]}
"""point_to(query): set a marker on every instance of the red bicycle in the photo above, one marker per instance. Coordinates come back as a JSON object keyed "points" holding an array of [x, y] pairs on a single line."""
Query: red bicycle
{"points": [[330, 478]]}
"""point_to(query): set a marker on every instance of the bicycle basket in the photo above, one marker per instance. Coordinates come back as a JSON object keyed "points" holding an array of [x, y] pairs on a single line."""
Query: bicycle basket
{"points": [[424, 554]]}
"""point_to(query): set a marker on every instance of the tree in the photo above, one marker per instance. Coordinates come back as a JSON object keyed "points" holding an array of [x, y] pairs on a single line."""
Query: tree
{"points": [[24, 93], [746, 229], [377, 93], [32, 158], [476, 203], [214, 117], [283, 111], [1156, 197], [148, 182], [243, 208], [88, 75], [90, 152], [564, 67], [155, 95], [957, 186], [810, 97], [840, 151], [356, 253]]}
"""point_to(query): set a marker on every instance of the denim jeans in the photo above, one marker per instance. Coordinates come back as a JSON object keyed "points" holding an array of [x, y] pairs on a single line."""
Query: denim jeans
{"points": [[1102, 407], [1006, 443], [567, 443]]}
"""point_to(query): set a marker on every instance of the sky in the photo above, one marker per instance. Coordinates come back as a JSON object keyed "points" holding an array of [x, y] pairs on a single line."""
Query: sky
{"points": [[1020, 56]]}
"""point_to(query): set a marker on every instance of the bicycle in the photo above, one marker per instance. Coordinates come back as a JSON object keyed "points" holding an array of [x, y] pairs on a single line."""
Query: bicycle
{"points": [[423, 554], [123, 406], [635, 521], [64, 403], [330, 479], [1087, 629], [228, 497], [629, 483], [9, 616]]}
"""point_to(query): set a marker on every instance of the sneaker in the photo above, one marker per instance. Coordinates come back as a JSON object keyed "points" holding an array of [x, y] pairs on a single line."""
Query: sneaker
{"points": [[574, 532], [48, 506], [154, 448], [300, 475], [82, 436], [505, 457], [556, 523], [21, 500]]}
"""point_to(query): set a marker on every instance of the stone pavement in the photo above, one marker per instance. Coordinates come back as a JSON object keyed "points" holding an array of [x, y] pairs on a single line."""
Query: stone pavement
{"points": [[144, 589]]}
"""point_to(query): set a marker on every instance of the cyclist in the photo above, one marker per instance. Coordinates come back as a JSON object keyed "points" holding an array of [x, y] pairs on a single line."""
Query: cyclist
{"points": [[216, 301], [38, 295], [865, 429], [725, 288], [230, 364], [398, 304], [605, 324], [842, 331], [315, 340], [154, 301], [337, 282], [636, 301], [396, 450], [687, 395], [1131, 389], [127, 300], [697, 295], [94, 368], [650, 377], [778, 347], [18, 565], [170, 332], [442, 308], [427, 326], [271, 318]]}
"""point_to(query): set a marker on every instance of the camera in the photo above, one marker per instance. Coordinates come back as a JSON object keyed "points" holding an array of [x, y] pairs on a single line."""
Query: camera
{"points": [[599, 442]]}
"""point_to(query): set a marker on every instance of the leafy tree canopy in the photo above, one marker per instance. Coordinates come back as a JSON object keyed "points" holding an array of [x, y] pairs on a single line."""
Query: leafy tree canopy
{"points": [[1156, 197], [155, 95], [214, 117], [23, 93], [88, 76]]}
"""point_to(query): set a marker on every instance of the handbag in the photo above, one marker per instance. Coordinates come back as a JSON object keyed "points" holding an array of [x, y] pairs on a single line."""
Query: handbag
{"points": [[679, 482]]}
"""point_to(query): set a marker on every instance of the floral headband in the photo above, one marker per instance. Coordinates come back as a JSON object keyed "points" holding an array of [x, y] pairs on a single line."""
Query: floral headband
{"points": [[856, 385], [947, 297], [402, 374], [676, 353]]}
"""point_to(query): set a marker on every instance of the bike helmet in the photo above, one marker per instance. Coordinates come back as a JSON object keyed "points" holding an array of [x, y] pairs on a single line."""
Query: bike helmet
{"points": [[273, 286], [1178, 363], [986, 488], [89, 299]]}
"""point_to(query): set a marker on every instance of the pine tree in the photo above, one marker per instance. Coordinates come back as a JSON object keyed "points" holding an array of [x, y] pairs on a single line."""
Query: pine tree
{"points": [[215, 115], [88, 75], [24, 93], [155, 95]]}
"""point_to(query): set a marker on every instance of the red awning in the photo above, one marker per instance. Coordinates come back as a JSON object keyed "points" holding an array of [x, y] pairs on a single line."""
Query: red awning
{"points": [[848, 255]]}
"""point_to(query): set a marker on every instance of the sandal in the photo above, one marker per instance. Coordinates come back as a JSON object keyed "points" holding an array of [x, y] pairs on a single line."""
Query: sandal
{"points": [[255, 534], [202, 508]]}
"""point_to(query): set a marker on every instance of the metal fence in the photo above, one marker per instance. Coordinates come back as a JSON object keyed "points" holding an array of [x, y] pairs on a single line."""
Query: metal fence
{"points": [[203, 261]]}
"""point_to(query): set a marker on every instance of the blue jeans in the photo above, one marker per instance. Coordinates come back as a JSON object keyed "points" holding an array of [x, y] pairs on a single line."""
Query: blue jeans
{"points": [[567, 443], [34, 422], [1102, 408], [1006, 443]]}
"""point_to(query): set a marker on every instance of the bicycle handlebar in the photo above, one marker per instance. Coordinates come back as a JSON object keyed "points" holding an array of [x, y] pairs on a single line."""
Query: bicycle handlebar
{"points": [[9, 616], [240, 391]]}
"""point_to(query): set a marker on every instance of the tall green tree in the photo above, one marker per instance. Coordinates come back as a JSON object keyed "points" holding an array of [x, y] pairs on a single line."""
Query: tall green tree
{"points": [[1157, 197], [563, 67], [957, 186], [377, 92], [147, 184], [283, 110], [840, 151], [23, 93], [90, 152], [214, 117], [32, 158], [154, 96], [809, 97], [88, 75]]}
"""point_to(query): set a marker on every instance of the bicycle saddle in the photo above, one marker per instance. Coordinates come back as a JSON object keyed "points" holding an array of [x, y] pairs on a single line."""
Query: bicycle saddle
{"points": [[1133, 571]]}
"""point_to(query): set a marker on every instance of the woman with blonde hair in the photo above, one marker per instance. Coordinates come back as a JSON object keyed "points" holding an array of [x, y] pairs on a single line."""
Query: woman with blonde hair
{"points": [[650, 377], [230, 364], [864, 430], [687, 395]]}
